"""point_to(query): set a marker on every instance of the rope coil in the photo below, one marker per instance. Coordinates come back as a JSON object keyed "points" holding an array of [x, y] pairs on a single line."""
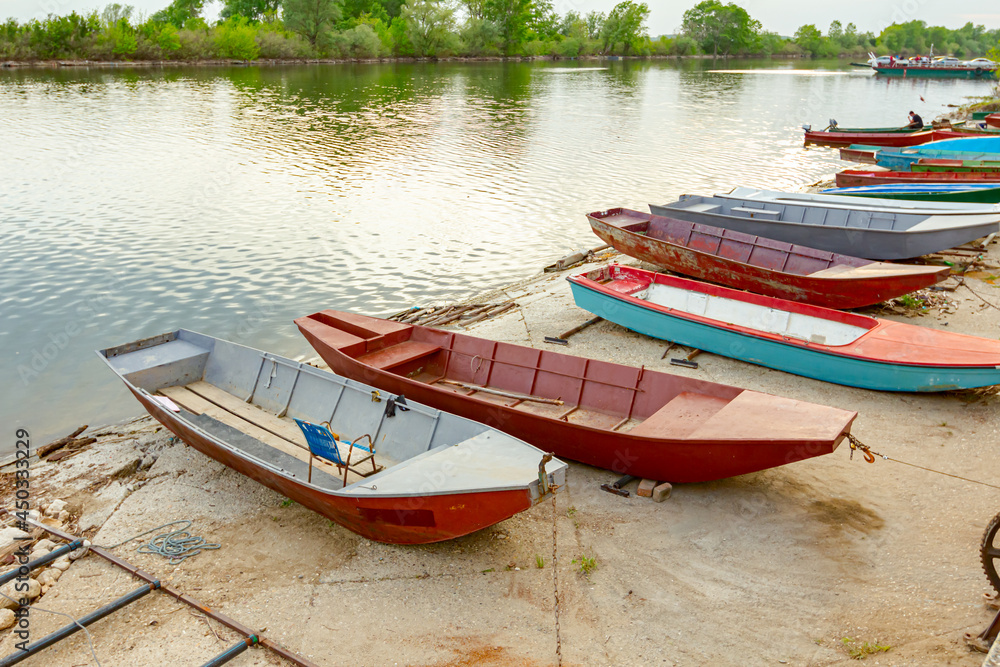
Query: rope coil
{"points": [[176, 545]]}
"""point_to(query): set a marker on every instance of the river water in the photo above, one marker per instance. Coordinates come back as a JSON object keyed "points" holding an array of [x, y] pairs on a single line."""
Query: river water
{"points": [[232, 200]]}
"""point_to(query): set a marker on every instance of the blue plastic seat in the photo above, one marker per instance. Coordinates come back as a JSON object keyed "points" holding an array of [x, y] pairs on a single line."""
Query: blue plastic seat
{"points": [[325, 444]]}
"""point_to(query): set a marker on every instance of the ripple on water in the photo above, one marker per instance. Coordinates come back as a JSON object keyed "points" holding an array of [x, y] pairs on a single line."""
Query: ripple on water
{"points": [[231, 201]]}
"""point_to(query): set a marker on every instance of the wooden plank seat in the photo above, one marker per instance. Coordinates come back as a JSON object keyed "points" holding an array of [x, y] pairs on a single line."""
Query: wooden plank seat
{"points": [[681, 416], [399, 354], [202, 398]]}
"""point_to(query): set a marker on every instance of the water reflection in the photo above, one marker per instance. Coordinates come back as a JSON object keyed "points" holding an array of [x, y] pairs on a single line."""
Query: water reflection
{"points": [[231, 200]]}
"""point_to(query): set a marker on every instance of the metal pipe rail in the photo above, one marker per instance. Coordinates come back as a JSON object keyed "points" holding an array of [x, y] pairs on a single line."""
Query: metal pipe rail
{"points": [[230, 623], [25, 569], [73, 628]]}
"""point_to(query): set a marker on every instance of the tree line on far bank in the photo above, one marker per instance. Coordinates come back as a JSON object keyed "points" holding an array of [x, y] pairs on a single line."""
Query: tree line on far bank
{"points": [[362, 29]]}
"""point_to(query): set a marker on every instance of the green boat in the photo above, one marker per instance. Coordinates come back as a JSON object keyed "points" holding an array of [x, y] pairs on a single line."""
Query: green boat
{"points": [[901, 130], [933, 72], [987, 195], [938, 166]]}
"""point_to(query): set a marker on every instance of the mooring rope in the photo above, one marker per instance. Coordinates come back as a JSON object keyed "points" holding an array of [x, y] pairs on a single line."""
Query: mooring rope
{"points": [[870, 458], [175, 545]]}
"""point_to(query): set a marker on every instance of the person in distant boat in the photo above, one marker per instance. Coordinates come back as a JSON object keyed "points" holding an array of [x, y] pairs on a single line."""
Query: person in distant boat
{"points": [[916, 122]]}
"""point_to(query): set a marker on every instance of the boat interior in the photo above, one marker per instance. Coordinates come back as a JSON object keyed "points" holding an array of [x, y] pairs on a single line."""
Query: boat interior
{"points": [[647, 286], [248, 401], [576, 390], [805, 214]]}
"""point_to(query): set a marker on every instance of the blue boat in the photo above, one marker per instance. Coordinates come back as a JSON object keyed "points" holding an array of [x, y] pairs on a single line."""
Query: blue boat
{"points": [[821, 343]]}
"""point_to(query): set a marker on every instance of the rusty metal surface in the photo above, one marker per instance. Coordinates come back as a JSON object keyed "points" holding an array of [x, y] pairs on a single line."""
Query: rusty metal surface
{"points": [[230, 623], [756, 264]]}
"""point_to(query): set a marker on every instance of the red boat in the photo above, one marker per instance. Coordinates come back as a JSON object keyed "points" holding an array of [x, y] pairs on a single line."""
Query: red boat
{"points": [[858, 155], [894, 139], [625, 419], [853, 177], [993, 120], [825, 138], [757, 264]]}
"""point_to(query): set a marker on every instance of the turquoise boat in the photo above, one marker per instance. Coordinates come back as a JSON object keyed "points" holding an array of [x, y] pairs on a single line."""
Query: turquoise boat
{"points": [[821, 343], [936, 72]]}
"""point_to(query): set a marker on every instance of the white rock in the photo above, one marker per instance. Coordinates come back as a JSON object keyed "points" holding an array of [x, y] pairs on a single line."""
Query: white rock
{"points": [[37, 553], [7, 618], [9, 535], [12, 596], [48, 545], [48, 577], [62, 563], [55, 507], [64, 516]]}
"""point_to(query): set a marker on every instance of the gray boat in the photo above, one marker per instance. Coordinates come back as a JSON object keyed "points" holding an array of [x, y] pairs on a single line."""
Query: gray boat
{"points": [[875, 232], [388, 469]]}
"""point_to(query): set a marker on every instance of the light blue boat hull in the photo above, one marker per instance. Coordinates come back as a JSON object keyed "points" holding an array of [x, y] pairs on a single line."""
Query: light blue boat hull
{"points": [[896, 161], [903, 161], [789, 358]]}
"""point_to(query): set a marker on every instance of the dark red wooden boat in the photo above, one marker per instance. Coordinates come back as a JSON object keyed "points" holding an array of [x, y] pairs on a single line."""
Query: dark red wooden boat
{"points": [[826, 138], [625, 419], [993, 120], [895, 139], [757, 264], [854, 177]]}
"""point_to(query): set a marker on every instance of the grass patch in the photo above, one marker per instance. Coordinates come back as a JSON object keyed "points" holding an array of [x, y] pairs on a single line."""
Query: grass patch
{"points": [[586, 564], [287, 502], [860, 651], [539, 562]]}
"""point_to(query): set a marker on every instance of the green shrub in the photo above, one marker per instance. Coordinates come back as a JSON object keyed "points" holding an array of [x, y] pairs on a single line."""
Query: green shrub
{"points": [[194, 45], [275, 43], [147, 49], [168, 40], [400, 31], [481, 37], [362, 42], [236, 38], [569, 48], [683, 45], [121, 37]]}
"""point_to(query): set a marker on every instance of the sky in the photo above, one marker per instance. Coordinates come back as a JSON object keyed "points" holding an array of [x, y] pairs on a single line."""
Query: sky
{"points": [[781, 16]]}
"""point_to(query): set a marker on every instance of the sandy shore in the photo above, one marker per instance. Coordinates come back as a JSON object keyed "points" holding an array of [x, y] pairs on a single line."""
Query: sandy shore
{"points": [[798, 565]]}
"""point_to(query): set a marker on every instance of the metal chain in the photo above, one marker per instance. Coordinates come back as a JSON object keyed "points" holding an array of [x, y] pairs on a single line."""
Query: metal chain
{"points": [[555, 581], [870, 458]]}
